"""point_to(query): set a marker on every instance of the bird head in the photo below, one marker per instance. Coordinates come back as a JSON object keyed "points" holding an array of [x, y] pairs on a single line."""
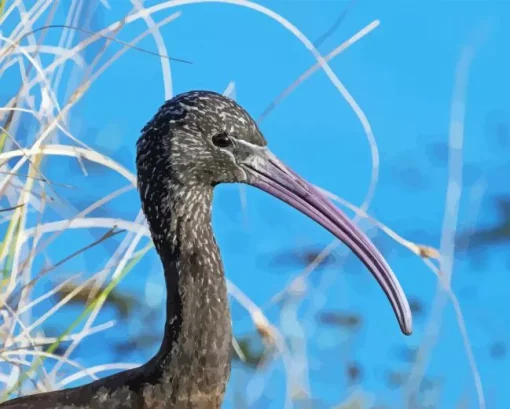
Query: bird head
{"points": [[204, 138]]}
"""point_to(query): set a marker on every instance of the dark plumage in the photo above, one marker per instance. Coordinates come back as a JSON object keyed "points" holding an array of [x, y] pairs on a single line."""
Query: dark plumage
{"points": [[196, 141]]}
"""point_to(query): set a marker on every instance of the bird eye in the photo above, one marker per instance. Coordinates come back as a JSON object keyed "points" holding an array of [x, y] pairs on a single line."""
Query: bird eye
{"points": [[222, 140]]}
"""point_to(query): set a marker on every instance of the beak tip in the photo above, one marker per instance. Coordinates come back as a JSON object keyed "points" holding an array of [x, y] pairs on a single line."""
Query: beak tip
{"points": [[407, 325]]}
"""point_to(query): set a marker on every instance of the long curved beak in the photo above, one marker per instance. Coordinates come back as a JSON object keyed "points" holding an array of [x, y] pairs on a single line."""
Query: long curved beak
{"points": [[267, 173]]}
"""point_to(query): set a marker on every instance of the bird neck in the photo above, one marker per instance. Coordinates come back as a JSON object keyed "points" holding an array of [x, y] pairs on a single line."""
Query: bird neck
{"points": [[194, 359]]}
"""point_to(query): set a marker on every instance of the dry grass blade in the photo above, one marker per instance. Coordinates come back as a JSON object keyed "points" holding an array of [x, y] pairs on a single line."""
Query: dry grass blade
{"points": [[158, 39], [111, 233], [418, 249], [7, 209], [337, 51], [95, 33]]}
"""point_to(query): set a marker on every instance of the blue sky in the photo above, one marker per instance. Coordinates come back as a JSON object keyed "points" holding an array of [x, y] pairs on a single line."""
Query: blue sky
{"points": [[402, 75]]}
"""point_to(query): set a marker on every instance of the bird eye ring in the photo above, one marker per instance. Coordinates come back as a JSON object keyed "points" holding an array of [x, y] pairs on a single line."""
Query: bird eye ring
{"points": [[222, 140]]}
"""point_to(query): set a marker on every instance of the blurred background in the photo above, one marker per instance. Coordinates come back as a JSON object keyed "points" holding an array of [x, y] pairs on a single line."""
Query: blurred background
{"points": [[398, 108]]}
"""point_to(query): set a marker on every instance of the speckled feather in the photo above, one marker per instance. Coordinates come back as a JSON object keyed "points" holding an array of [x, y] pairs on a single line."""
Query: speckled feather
{"points": [[177, 171]]}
